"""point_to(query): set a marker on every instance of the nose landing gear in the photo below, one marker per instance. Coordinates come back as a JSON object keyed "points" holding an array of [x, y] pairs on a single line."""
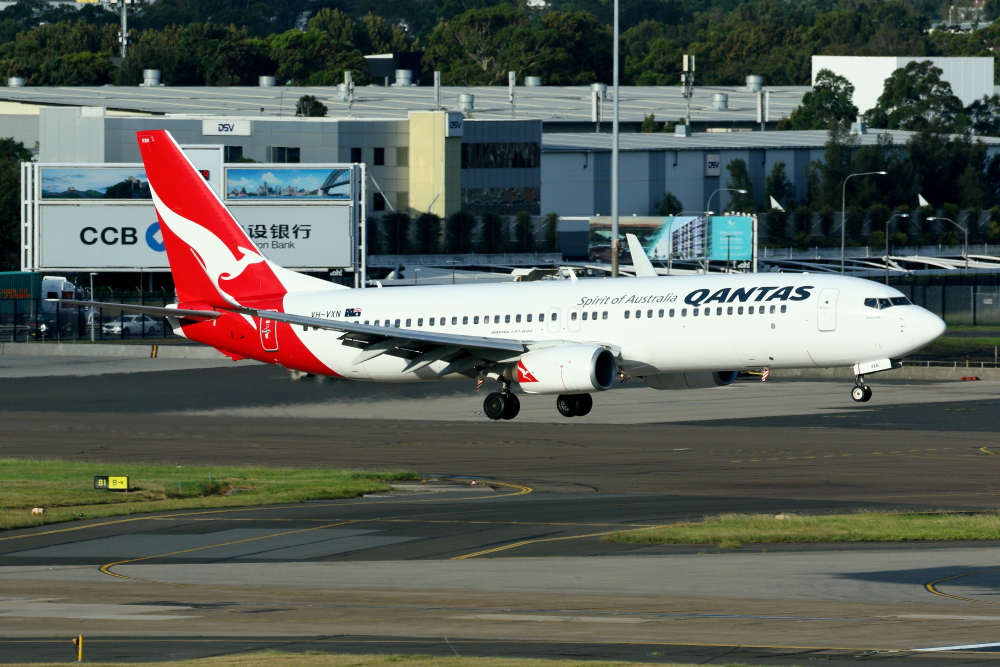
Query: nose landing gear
{"points": [[861, 393]]}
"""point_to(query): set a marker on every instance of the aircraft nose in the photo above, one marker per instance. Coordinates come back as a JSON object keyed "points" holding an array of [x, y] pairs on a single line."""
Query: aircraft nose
{"points": [[927, 326]]}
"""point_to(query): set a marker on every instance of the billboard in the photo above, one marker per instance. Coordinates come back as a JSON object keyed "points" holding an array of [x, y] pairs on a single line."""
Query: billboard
{"points": [[730, 237], [680, 237], [87, 217], [287, 183]]}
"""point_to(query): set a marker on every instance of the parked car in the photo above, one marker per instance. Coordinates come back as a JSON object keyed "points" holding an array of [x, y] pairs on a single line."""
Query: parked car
{"points": [[129, 325]]}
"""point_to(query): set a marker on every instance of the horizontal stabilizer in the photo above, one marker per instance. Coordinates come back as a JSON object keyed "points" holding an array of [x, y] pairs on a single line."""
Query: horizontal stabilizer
{"points": [[158, 311]]}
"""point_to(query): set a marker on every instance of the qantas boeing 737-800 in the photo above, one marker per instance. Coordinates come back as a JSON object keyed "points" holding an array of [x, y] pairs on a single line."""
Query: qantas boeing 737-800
{"points": [[567, 338]]}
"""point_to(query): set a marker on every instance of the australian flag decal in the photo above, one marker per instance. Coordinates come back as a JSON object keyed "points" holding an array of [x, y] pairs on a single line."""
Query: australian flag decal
{"points": [[352, 312]]}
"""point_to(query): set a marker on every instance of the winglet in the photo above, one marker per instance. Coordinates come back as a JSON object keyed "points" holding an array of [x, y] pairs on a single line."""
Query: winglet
{"points": [[640, 262]]}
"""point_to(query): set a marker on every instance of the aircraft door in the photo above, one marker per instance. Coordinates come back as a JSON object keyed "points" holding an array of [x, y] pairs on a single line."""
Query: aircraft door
{"points": [[826, 318], [269, 335], [554, 320], [573, 323]]}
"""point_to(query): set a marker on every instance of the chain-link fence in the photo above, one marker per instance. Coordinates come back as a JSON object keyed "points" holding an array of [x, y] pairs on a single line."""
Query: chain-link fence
{"points": [[24, 320]]}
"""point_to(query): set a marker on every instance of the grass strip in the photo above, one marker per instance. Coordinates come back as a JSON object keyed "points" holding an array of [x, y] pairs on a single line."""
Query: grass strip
{"points": [[65, 488], [318, 659], [732, 530]]}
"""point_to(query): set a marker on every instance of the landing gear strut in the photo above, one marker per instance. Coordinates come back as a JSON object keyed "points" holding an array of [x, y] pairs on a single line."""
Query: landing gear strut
{"points": [[502, 404], [574, 405], [861, 393]]}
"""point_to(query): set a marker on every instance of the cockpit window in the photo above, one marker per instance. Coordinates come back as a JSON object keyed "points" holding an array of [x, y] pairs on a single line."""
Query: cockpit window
{"points": [[900, 301], [871, 303], [884, 303]]}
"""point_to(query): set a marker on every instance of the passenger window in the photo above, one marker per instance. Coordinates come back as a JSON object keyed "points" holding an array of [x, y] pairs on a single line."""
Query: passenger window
{"points": [[506, 319], [465, 319], [783, 308], [671, 312], [739, 311], [366, 322], [407, 324], [871, 303], [694, 312], [729, 310], [541, 317], [420, 321], [772, 310], [627, 314], [604, 316], [496, 319], [593, 315], [750, 310], [454, 320], [649, 313], [684, 312], [529, 317], [475, 320], [443, 322], [376, 322], [430, 322], [517, 318], [884, 303], [395, 325], [638, 314], [388, 323], [584, 314], [708, 311]]}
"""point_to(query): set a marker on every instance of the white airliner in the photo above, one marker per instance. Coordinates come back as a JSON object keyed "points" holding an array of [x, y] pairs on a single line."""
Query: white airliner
{"points": [[567, 338]]}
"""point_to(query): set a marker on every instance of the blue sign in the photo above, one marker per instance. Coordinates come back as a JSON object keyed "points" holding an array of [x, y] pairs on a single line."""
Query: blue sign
{"points": [[730, 238]]}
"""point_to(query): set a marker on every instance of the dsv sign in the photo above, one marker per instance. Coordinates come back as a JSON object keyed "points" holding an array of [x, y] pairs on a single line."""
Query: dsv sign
{"points": [[122, 235]]}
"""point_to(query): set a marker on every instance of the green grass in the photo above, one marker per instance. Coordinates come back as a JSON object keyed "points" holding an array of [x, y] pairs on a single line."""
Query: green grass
{"points": [[317, 659], [65, 488], [952, 348], [732, 530]]}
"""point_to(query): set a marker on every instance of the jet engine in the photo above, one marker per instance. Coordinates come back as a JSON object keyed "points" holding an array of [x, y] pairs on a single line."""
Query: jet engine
{"points": [[696, 380], [565, 369]]}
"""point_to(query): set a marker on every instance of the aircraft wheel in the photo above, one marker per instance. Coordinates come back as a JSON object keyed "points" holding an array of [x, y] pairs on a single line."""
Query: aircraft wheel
{"points": [[566, 405], [859, 394], [584, 403], [495, 405], [868, 394], [512, 407]]}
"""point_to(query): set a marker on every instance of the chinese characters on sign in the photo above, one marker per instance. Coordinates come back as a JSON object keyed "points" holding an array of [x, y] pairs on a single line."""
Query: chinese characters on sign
{"points": [[277, 235]]}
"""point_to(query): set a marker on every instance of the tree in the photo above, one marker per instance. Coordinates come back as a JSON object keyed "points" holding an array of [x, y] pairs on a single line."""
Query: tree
{"points": [[551, 227], [984, 115], [314, 58], [309, 106], [778, 186], [397, 228], [12, 154], [669, 205], [649, 124], [739, 179], [525, 231], [458, 238], [493, 234], [829, 102], [428, 239], [915, 98]]}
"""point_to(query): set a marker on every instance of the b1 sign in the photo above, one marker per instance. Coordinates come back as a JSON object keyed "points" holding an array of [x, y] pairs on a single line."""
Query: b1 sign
{"points": [[223, 127]]}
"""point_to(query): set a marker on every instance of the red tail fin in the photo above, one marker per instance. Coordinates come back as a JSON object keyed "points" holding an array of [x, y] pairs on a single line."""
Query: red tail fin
{"points": [[212, 259]]}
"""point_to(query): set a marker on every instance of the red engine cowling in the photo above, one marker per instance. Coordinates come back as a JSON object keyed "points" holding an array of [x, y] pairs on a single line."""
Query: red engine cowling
{"points": [[566, 369], [695, 380]]}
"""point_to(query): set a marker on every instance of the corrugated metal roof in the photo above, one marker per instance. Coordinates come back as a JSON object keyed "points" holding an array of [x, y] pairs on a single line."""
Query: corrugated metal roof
{"points": [[556, 142], [550, 103]]}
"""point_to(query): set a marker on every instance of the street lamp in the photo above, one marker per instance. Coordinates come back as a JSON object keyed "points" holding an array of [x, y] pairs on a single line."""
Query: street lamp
{"points": [[843, 212], [966, 231], [614, 151], [887, 223], [708, 206]]}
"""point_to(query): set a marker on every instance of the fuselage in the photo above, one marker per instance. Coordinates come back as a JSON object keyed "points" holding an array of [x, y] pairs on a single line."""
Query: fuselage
{"points": [[654, 325]]}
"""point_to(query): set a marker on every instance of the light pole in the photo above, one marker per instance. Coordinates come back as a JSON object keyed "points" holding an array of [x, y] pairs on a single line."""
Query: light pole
{"points": [[614, 154], [965, 252], [843, 213], [887, 223], [93, 313], [708, 206]]}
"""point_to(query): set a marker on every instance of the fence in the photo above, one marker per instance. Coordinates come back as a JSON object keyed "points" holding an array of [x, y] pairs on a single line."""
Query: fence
{"points": [[958, 299], [23, 320]]}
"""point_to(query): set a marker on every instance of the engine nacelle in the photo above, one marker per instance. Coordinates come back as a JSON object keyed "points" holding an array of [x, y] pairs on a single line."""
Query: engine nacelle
{"points": [[566, 369], [696, 380]]}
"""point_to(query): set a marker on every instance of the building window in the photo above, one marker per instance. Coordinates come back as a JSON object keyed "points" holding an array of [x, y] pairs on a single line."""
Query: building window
{"points": [[403, 201], [378, 202], [402, 156], [356, 154], [283, 154], [379, 160], [503, 201], [232, 153], [502, 155]]}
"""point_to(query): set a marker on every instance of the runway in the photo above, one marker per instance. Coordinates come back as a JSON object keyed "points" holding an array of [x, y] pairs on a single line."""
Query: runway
{"points": [[514, 566]]}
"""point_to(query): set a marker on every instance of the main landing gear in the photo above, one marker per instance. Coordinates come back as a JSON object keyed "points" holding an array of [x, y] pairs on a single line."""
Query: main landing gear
{"points": [[502, 404], [861, 393], [574, 405]]}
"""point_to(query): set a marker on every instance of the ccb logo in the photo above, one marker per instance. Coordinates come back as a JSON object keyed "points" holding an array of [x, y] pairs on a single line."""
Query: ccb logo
{"points": [[152, 240]]}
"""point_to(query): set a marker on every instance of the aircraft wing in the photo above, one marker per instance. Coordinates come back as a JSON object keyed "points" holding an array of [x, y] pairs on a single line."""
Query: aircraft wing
{"points": [[158, 311], [421, 348]]}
